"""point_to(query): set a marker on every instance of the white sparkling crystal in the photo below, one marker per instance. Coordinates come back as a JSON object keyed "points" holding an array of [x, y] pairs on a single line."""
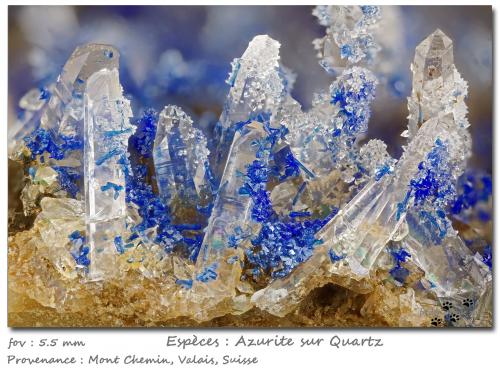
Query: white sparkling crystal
{"points": [[256, 82]]}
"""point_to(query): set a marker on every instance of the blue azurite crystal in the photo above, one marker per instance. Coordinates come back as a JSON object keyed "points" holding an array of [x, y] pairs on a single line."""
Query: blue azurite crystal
{"points": [[398, 272]]}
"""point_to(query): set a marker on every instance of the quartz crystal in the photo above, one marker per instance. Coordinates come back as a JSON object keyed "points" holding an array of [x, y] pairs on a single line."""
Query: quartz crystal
{"points": [[256, 82], [257, 87], [59, 109], [294, 217], [107, 129], [349, 35], [181, 157], [438, 88], [324, 138], [369, 221], [230, 224]]}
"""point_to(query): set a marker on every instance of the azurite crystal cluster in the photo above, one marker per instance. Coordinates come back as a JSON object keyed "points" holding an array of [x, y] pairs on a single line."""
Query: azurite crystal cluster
{"points": [[137, 223]]}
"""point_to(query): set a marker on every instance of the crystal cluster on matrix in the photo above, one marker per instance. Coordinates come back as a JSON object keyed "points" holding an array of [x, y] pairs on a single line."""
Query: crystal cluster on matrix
{"points": [[286, 203]]}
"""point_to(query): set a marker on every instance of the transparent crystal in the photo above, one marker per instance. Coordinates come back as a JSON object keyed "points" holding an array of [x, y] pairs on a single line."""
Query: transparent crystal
{"points": [[257, 87], [71, 83], [450, 266], [107, 129], [256, 82], [59, 218], [33, 105], [434, 78], [62, 111], [32, 100], [308, 172], [231, 214], [377, 214], [180, 156], [349, 35], [374, 158], [362, 228], [324, 138]]}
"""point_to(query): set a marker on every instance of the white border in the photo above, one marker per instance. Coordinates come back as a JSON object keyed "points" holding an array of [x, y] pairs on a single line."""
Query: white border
{"points": [[407, 349]]}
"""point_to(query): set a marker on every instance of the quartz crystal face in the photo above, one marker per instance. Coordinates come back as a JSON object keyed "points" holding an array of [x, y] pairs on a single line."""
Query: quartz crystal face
{"points": [[162, 218], [107, 128], [180, 154]]}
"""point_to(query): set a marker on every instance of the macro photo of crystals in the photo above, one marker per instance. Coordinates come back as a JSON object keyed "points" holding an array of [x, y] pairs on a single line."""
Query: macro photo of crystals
{"points": [[250, 166]]}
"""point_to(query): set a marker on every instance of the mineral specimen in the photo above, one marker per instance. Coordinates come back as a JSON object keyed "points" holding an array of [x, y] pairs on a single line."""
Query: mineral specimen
{"points": [[349, 35], [138, 223], [181, 157], [257, 86], [107, 128], [230, 223]]}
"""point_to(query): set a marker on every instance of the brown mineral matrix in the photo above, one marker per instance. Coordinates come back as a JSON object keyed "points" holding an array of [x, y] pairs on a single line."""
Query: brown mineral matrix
{"points": [[39, 296]]}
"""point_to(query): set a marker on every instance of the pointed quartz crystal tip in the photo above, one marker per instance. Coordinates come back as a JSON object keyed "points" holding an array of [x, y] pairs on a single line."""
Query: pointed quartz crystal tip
{"points": [[180, 156], [62, 112], [434, 57], [256, 84], [434, 76], [84, 62], [65, 108]]}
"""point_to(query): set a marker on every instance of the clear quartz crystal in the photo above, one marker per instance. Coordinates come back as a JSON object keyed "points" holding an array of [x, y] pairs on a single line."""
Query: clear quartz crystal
{"points": [[370, 220], [362, 228], [449, 266], [231, 212], [33, 106], [59, 218], [256, 82], [257, 86], [180, 156], [107, 129], [349, 35], [62, 112], [308, 137], [32, 100], [71, 84], [322, 138], [433, 78], [438, 89]]}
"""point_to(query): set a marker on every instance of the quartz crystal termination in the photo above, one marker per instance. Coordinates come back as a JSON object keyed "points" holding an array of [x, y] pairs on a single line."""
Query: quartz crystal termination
{"points": [[61, 111], [257, 87], [256, 82], [437, 88], [180, 157], [218, 267], [65, 105], [107, 129]]}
